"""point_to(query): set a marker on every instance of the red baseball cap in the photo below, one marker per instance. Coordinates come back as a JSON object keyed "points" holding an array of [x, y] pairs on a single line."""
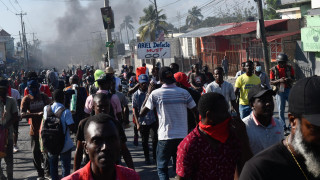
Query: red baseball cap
{"points": [[182, 78]]}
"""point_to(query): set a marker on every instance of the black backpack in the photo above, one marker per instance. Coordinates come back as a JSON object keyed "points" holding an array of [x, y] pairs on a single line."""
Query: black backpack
{"points": [[52, 134]]}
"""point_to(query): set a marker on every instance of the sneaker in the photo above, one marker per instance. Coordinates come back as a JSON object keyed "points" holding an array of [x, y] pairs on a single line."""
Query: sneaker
{"points": [[135, 141], [15, 149]]}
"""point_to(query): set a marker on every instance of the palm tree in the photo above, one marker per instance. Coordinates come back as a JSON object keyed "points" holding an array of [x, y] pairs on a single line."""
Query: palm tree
{"points": [[148, 22], [194, 17], [126, 24]]}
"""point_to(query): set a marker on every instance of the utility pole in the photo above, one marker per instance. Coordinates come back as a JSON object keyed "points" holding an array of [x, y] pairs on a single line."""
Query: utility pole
{"points": [[108, 37], [179, 19], [24, 40], [157, 22], [263, 37]]}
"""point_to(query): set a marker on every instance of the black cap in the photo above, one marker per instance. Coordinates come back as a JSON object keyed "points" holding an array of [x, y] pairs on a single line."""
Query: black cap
{"points": [[304, 99], [166, 75], [105, 77], [282, 57], [258, 91]]}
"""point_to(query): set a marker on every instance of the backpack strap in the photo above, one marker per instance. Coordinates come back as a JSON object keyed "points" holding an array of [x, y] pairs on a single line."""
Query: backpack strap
{"points": [[49, 111], [59, 112]]}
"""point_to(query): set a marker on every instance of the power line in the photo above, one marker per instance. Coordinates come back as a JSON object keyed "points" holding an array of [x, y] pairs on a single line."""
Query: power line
{"points": [[169, 4], [7, 7], [13, 6]]}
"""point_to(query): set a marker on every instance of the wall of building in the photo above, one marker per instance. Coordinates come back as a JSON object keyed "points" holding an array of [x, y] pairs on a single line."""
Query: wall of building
{"points": [[2, 51]]}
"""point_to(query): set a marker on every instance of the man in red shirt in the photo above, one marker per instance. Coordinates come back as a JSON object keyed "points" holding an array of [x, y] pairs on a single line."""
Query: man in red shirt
{"points": [[218, 147], [282, 76], [102, 144]]}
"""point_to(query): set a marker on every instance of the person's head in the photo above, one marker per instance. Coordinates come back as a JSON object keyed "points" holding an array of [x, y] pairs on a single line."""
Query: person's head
{"points": [[109, 70], [74, 79], [101, 103], [182, 80], [143, 82], [213, 108], [261, 101], [243, 64], [224, 57], [155, 71], [205, 69], [58, 96], [249, 68], [257, 66], [102, 143], [174, 67], [33, 87], [143, 64], [3, 88], [166, 75], [195, 68], [304, 117], [282, 59], [130, 69], [32, 75], [105, 81], [218, 75]]}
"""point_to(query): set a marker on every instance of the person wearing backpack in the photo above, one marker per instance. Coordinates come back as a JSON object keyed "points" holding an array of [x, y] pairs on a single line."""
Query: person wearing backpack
{"points": [[282, 78], [50, 135]]}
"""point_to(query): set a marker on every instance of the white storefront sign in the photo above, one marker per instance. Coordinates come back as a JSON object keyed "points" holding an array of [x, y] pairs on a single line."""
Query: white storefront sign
{"points": [[153, 50]]}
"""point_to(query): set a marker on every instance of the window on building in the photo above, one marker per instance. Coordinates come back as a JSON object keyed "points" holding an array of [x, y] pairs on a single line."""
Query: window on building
{"points": [[275, 49]]}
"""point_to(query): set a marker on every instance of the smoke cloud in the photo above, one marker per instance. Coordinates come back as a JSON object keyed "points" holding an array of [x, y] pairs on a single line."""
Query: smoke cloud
{"points": [[79, 40]]}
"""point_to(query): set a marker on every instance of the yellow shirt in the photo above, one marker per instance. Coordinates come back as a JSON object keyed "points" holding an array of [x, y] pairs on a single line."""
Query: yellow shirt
{"points": [[245, 83]]}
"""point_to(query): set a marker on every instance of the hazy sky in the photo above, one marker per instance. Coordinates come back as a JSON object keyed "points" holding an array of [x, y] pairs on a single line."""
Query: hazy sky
{"points": [[45, 17]]}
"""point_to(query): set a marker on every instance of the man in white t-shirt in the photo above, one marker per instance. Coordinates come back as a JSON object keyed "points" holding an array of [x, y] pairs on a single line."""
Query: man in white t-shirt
{"points": [[222, 87], [171, 104]]}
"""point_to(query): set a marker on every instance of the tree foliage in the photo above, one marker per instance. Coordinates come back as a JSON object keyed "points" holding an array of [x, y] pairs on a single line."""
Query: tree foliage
{"points": [[270, 11], [127, 24], [194, 17], [148, 23]]}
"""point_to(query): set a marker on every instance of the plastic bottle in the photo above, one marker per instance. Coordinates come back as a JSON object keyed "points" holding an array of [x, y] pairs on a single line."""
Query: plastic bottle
{"points": [[73, 103]]}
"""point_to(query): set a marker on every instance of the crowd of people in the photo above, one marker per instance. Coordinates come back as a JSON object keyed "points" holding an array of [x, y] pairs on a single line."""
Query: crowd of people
{"points": [[198, 123]]}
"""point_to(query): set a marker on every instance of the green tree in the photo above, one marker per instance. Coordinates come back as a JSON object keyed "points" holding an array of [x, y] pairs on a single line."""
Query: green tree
{"points": [[148, 23], [270, 11], [194, 17], [127, 24]]}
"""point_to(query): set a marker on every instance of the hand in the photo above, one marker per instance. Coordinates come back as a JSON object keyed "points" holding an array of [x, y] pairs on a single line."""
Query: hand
{"points": [[138, 127], [282, 80], [40, 113]]}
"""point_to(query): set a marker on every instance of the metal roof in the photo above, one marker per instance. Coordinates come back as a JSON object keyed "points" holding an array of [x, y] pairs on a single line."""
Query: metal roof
{"points": [[278, 36], [207, 31], [246, 27]]}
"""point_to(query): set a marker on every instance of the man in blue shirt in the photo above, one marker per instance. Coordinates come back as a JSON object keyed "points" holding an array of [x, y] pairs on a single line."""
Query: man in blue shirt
{"points": [[146, 124], [67, 124]]}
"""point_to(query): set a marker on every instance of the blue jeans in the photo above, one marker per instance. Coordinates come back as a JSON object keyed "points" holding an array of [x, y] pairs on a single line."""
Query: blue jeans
{"points": [[281, 98], [244, 110], [65, 159], [165, 150]]}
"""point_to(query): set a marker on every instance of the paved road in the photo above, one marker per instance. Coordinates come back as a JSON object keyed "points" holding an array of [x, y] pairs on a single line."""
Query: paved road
{"points": [[24, 169]]}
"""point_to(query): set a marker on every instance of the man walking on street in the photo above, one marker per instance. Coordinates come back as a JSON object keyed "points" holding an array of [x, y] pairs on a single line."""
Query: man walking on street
{"points": [[262, 75], [146, 124], [225, 66], [9, 115], [67, 124], [243, 85], [171, 103], [32, 108], [282, 77]]}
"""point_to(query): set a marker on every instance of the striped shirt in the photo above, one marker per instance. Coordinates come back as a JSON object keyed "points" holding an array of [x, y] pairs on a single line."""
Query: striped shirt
{"points": [[261, 137], [171, 103]]}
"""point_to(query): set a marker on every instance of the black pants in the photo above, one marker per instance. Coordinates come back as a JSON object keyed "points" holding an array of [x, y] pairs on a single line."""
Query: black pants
{"points": [[145, 132], [39, 157], [9, 160]]}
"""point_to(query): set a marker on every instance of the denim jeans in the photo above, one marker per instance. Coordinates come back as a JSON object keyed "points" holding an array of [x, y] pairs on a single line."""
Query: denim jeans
{"points": [[145, 131], [244, 110], [165, 150], [281, 98], [65, 159], [39, 158]]}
